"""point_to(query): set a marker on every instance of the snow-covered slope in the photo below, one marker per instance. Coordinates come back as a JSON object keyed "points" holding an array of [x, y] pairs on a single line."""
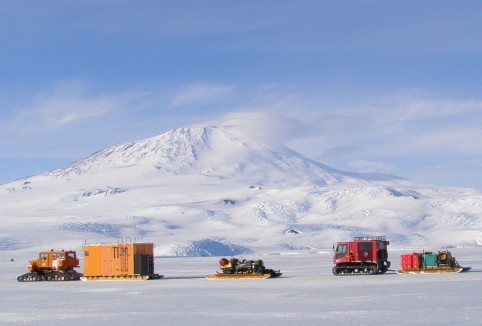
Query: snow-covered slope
{"points": [[209, 191]]}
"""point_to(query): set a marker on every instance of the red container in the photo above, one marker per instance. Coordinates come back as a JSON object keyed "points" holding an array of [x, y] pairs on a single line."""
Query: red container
{"points": [[410, 261]]}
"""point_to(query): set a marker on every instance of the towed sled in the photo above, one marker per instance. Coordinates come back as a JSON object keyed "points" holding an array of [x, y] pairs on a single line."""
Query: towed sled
{"points": [[240, 269]]}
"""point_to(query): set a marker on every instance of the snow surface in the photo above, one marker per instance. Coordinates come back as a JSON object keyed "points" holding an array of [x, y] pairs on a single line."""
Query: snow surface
{"points": [[306, 294]]}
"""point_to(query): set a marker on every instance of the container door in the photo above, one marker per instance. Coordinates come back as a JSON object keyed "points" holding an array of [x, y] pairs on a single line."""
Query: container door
{"points": [[142, 265], [382, 253], [365, 251], [105, 260], [116, 261]]}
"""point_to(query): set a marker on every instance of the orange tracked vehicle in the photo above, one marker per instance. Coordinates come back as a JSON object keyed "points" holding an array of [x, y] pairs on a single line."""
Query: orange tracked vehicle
{"points": [[52, 266]]}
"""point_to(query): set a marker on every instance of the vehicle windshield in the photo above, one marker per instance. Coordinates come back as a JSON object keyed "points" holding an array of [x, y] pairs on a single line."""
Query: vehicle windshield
{"points": [[341, 250]]}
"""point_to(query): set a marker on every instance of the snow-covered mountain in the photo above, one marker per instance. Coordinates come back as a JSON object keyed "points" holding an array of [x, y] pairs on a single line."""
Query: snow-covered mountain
{"points": [[211, 152], [211, 191]]}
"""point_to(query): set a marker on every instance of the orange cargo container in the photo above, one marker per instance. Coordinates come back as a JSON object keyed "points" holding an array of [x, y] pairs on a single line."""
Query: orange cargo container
{"points": [[119, 261]]}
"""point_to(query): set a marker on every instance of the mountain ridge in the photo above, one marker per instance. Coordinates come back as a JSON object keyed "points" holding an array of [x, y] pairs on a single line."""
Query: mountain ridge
{"points": [[178, 151]]}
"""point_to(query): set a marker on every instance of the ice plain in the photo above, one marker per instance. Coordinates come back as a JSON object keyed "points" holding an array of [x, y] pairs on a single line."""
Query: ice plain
{"points": [[306, 294]]}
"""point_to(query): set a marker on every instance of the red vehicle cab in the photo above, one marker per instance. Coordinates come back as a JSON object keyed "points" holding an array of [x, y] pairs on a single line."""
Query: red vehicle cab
{"points": [[363, 256]]}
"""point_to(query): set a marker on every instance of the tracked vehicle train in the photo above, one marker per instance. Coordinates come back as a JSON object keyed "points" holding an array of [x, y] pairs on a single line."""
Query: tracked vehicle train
{"points": [[365, 255]]}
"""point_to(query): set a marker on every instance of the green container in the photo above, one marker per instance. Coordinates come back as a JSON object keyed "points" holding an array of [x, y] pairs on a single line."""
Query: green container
{"points": [[429, 260]]}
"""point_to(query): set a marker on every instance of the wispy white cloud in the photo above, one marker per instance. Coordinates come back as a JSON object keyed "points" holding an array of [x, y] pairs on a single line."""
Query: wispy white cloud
{"points": [[69, 102], [464, 141], [340, 124], [200, 93], [424, 106], [266, 126], [408, 124], [428, 125], [400, 133], [370, 166]]}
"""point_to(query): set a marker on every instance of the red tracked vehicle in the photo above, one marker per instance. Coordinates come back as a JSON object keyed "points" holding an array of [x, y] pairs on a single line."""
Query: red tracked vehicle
{"points": [[365, 255]]}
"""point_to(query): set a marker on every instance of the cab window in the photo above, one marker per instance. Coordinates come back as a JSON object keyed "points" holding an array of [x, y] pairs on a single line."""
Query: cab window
{"points": [[341, 250]]}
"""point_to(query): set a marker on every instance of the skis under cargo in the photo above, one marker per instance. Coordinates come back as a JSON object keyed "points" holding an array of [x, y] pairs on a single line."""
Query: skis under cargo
{"points": [[224, 276], [238, 269], [122, 277], [435, 270]]}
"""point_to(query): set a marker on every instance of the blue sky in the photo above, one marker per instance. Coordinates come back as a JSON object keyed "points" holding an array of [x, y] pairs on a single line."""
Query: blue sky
{"points": [[363, 85]]}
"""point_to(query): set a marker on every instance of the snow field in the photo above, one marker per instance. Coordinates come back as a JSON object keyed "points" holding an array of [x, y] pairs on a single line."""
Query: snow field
{"points": [[306, 294]]}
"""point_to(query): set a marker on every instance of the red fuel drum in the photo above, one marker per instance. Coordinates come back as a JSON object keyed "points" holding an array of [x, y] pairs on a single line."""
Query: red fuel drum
{"points": [[410, 261]]}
